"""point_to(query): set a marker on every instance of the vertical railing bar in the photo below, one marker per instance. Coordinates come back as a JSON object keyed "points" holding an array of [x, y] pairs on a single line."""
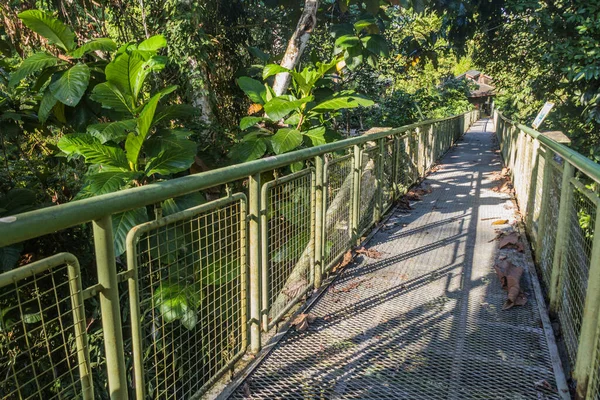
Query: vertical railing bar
{"points": [[136, 319], [264, 257], [255, 264], [588, 336], [110, 306], [81, 339], [379, 180], [244, 270], [319, 183], [561, 234], [356, 192]]}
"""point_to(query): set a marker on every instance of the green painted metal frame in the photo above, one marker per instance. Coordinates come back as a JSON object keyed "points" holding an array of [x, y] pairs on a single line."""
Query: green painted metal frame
{"points": [[78, 310], [574, 167], [98, 210], [264, 234], [133, 238]]}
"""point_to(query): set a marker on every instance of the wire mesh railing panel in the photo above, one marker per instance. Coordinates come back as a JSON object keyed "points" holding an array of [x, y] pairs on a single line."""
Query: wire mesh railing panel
{"points": [[288, 234], [368, 188], [548, 241], [405, 168], [191, 297], [582, 214], [533, 220], [338, 217], [388, 173], [43, 341]]}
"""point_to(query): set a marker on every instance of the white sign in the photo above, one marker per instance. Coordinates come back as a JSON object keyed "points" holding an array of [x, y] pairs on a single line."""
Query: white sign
{"points": [[542, 115]]}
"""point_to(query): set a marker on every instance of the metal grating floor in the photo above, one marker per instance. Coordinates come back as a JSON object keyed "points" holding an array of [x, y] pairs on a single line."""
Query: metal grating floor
{"points": [[425, 320]]}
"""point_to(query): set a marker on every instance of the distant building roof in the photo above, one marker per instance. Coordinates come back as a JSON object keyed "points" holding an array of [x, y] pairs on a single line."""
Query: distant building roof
{"points": [[483, 82]]}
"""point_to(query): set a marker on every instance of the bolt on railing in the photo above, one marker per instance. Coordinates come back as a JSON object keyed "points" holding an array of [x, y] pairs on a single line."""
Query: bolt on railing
{"points": [[558, 192], [198, 284]]}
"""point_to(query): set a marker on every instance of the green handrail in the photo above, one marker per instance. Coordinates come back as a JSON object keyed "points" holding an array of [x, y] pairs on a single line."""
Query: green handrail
{"points": [[47, 220]]}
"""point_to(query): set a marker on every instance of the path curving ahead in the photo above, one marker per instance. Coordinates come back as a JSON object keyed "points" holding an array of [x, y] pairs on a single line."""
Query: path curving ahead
{"points": [[424, 321]]}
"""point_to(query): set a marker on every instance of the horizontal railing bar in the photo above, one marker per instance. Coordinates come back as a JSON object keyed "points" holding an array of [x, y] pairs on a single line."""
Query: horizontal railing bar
{"points": [[578, 160], [43, 221]]}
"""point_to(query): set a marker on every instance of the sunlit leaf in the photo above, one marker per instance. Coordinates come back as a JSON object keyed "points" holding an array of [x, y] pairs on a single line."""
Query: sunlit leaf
{"points": [[31, 65], [286, 139], [71, 84], [50, 28]]}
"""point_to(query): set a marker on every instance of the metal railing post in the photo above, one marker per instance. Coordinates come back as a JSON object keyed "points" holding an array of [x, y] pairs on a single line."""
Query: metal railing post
{"points": [[111, 308], [395, 162], [319, 220], [561, 234], [379, 181], [254, 246], [356, 192], [548, 155], [589, 323]]}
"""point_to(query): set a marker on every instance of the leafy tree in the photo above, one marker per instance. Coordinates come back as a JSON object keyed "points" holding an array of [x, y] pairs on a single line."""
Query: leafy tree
{"points": [[64, 75], [294, 119], [132, 150]]}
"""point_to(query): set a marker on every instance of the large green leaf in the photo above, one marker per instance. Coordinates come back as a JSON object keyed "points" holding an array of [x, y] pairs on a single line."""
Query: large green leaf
{"points": [[128, 71], [353, 57], [112, 131], [342, 100], [110, 96], [153, 43], [178, 302], [107, 157], [285, 140], [32, 64], [102, 44], [219, 272], [377, 45], [9, 256], [122, 223], [369, 24], [46, 104], [343, 42], [249, 150], [181, 203], [71, 85], [273, 69], [147, 115], [316, 136], [280, 107], [248, 122], [139, 72], [108, 182], [16, 201], [172, 159], [133, 147], [49, 27], [175, 111], [255, 90]]}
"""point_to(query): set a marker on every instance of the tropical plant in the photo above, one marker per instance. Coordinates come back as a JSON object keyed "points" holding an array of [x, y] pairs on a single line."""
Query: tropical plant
{"points": [[64, 72], [292, 120], [138, 148]]}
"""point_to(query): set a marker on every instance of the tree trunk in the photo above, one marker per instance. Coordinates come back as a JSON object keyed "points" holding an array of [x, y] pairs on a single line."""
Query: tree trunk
{"points": [[297, 44]]}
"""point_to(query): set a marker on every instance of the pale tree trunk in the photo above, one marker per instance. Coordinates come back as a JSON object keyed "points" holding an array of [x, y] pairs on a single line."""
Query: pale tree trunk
{"points": [[297, 44], [201, 97]]}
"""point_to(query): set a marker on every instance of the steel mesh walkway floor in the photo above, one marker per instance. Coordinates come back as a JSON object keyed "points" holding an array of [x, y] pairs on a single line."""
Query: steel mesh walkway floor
{"points": [[425, 321]]}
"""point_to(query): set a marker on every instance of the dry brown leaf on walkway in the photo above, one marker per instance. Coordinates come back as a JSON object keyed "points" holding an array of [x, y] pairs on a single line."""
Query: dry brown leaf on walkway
{"points": [[404, 204], [302, 321], [345, 261], [510, 279], [500, 222], [346, 288], [371, 253], [511, 240]]}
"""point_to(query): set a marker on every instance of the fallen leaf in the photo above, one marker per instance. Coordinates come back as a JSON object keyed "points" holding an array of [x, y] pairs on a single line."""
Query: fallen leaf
{"points": [[500, 222], [511, 238], [302, 321], [345, 261], [510, 279], [246, 389], [371, 253], [404, 204], [346, 288]]}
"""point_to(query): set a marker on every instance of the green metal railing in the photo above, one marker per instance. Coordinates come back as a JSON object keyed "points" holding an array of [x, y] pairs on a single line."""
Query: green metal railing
{"points": [[558, 192], [197, 287]]}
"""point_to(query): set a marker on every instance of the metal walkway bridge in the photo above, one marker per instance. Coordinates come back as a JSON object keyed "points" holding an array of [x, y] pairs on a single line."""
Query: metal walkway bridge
{"points": [[366, 274]]}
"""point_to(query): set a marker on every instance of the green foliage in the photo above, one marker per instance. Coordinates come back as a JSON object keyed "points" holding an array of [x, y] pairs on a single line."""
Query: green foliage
{"points": [[133, 150], [64, 78], [294, 119]]}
